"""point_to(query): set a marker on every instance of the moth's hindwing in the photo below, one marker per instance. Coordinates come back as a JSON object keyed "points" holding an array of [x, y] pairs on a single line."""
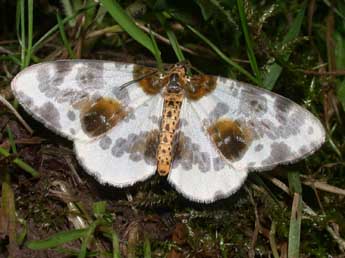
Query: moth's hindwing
{"points": [[126, 153], [198, 171]]}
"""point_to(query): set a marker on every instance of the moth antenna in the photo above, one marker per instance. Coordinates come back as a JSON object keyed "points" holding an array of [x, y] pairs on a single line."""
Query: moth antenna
{"points": [[123, 86]]}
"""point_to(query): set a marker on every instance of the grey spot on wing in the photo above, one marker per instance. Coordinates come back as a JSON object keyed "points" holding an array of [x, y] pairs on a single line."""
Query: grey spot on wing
{"points": [[121, 94], [50, 114], [252, 102], [49, 82], [282, 109], [51, 92], [204, 162], [230, 86], [24, 99], [154, 119], [303, 150], [282, 104], [183, 122], [71, 96], [71, 115], [139, 147], [105, 142], [119, 147], [130, 115], [186, 154], [251, 164], [220, 110], [91, 76], [72, 131], [261, 128], [219, 195], [258, 147], [310, 130], [135, 156], [61, 70], [218, 164], [280, 152], [288, 126]]}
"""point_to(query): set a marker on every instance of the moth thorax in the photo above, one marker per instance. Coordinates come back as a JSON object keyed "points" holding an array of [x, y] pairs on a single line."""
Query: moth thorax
{"points": [[174, 85]]}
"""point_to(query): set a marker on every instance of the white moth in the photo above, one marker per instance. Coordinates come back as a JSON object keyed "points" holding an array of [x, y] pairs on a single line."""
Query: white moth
{"points": [[204, 132]]}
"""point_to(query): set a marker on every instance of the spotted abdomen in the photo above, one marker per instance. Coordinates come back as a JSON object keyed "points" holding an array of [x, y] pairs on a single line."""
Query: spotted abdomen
{"points": [[169, 124]]}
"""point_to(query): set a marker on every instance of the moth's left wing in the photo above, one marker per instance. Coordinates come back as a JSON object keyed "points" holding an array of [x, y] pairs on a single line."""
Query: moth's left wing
{"points": [[57, 92], [198, 171], [257, 129]]}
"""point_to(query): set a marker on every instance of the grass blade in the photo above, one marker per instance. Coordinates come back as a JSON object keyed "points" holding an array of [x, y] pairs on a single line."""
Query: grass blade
{"points": [[172, 38], [275, 69], [11, 139], [68, 10], [30, 29], [116, 245], [35, 47], [57, 239], [157, 53], [249, 44], [296, 214], [22, 33], [223, 56], [147, 248], [64, 37], [87, 238], [8, 211], [126, 22], [20, 163], [26, 167]]}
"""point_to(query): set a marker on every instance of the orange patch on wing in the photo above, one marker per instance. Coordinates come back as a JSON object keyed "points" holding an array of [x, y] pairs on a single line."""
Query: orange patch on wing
{"points": [[149, 81], [201, 85], [99, 116], [230, 138]]}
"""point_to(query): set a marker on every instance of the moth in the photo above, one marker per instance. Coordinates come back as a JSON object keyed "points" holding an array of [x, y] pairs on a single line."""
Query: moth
{"points": [[204, 133]]}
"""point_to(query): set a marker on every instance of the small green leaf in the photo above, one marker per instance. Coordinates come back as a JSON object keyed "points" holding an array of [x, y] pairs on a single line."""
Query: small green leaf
{"points": [[249, 43], [341, 93], [50, 32], [87, 238], [296, 214], [172, 38], [126, 22], [147, 248], [99, 208], [20, 163], [11, 139], [116, 245], [156, 53], [64, 37], [275, 69], [223, 56], [57, 239]]}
